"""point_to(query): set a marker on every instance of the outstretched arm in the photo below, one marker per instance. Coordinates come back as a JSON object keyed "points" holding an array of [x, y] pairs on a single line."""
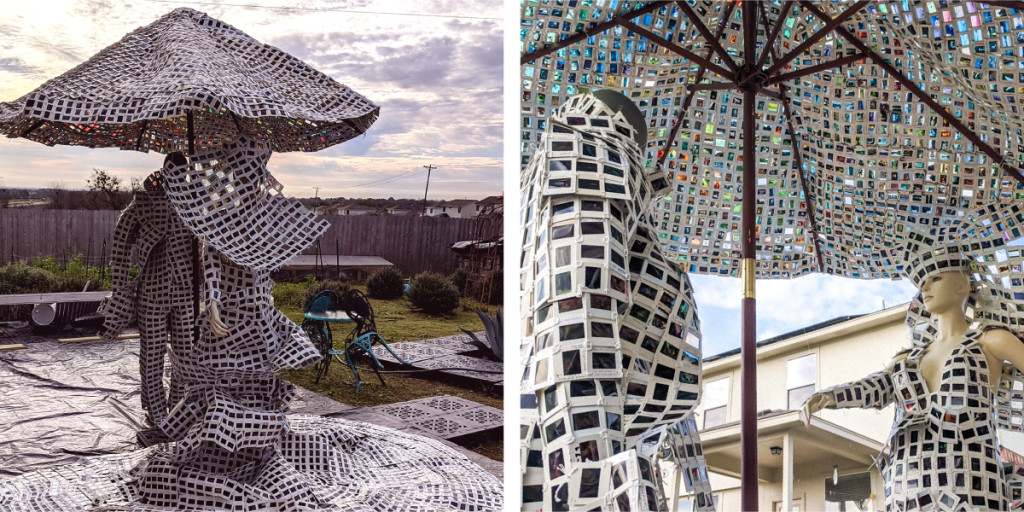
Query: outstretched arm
{"points": [[874, 391]]}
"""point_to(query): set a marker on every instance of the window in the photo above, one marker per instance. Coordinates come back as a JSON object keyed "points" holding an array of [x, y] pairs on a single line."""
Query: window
{"points": [[716, 401], [799, 380], [849, 493], [687, 504]]}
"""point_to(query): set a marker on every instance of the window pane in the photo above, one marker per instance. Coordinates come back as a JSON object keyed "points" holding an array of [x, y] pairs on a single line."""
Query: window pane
{"points": [[800, 371], [714, 417], [798, 396], [716, 394]]}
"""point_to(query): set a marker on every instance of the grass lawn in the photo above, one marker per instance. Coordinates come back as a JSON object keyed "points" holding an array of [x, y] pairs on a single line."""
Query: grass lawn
{"points": [[396, 321]]}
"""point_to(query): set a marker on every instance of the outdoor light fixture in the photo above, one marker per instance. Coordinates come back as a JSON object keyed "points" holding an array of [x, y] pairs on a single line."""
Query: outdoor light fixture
{"points": [[776, 450]]}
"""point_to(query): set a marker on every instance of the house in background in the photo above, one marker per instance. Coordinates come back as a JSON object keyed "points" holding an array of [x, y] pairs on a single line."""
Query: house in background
{"points": [[344, 209], [434, 210], [456, 209], [796, 465], [356, 209], [487, 201]]}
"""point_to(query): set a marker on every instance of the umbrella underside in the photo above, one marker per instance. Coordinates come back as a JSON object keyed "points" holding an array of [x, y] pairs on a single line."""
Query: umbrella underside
{"points": [[867, 156], [135, 94]]}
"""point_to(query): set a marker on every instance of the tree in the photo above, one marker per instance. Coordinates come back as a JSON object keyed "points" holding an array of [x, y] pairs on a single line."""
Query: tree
{"points": [[59, 197], [367, 202], [5, 194], [108, 189]]}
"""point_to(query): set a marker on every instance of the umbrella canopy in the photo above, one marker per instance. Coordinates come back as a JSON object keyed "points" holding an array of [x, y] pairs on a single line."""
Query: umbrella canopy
{"points": [[798, 136], [137, 94], [867, 116]]}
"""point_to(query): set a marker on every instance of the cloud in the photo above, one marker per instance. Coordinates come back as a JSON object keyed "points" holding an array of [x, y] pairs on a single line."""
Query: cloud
{"points": [[787, 305], [438, 82]]}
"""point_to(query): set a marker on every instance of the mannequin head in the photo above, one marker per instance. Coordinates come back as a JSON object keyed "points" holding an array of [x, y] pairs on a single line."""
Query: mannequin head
{"points": [[945, 292]]}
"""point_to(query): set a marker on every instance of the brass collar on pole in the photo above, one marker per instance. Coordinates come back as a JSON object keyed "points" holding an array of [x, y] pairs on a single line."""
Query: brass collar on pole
{"points": [[748, 278]]}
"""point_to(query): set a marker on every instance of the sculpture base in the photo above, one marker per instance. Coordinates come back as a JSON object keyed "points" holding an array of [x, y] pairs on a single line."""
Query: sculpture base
{"points": [[339, 465]]}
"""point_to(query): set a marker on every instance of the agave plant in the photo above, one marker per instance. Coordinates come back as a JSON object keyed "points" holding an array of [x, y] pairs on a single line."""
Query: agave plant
{"points": [[493, 325]]}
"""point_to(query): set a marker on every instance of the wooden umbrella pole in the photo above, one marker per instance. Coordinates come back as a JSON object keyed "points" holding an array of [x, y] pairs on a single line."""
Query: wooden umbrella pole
{"points": [[197, 264], [749, 85]]}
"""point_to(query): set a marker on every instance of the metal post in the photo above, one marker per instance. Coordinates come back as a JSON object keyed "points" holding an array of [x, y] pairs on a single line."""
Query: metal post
{"points": [[337, 260], [748, 347]]}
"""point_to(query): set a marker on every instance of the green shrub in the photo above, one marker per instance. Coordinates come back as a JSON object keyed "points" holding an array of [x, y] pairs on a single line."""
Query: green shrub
{"points": [[289, 294], [74, 276], [459, 278], [76, 283], [339, 287], [22, 278], [48, 264], [386, 283], [433, 294]]}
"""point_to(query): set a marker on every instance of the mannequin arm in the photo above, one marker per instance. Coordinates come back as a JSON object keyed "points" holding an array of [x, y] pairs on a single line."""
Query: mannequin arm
{"points": [[873, 391], [1003, 345], [211, 270]]}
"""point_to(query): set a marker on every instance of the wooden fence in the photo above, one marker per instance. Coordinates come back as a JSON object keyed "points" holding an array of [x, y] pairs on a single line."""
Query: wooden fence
{"points": [[413, 244]]}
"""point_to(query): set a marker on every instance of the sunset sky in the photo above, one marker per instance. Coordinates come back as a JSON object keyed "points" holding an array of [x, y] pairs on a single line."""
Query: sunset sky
{"points": [[437, 79]]}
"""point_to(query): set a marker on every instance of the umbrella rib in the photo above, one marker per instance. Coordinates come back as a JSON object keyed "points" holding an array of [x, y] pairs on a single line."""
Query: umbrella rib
{"points": [[683, 52], [769, 45], [724, 86], [770, 93], [814, 69], [1015, 5], [712, 40], [812, 221], [32, 128], [600, 27], [689, 93], [921, 95], [238, 124], [354, 127], [813, 40], [142, 132]]}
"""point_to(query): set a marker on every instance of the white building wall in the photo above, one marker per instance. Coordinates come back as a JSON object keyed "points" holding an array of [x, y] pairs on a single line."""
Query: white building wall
{"points": [[838, 359], [844, 352]]}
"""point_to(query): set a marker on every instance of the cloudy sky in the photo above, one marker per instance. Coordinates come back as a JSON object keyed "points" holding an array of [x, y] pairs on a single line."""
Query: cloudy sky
{"points": [[786, 306], [437, 79]]}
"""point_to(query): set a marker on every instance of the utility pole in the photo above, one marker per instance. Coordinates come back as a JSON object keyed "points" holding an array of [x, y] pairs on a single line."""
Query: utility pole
{"points": [[428, 168], [316, 197]]}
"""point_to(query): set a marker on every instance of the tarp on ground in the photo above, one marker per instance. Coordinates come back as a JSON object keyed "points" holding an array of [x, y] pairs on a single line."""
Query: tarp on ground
{"points": [[62, 401]]}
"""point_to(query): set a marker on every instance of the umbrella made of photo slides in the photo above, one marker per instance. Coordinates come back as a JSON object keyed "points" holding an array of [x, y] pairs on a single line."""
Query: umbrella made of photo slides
{"points": [[189, 76], [869, 116]]}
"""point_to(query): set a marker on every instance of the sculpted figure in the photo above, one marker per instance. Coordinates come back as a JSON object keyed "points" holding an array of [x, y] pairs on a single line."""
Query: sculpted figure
{"points": [[943, 451], [611, 347], [160, 298], [229, 425]]}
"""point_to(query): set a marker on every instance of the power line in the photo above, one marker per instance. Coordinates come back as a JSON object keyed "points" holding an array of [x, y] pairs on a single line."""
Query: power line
{"points": [[306, 9], [384, 181]]}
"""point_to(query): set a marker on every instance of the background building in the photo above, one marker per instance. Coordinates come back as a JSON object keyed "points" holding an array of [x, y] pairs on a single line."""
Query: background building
{"points": [[797, 464]]}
